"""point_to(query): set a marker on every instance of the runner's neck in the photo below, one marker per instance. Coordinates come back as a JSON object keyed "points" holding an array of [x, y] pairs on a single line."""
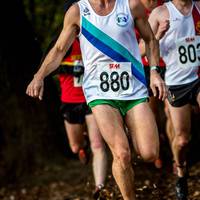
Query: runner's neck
{"points": [[184, 6], [102, 7]]}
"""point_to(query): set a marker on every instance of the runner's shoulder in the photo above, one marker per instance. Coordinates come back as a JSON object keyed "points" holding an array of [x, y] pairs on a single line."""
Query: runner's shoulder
{"points": [[160, 13], [73, 14]]}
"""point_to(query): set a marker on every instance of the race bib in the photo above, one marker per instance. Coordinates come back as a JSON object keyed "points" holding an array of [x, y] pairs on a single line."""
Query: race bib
{"points": [[188, 52], [114, 79], [78, 81]]}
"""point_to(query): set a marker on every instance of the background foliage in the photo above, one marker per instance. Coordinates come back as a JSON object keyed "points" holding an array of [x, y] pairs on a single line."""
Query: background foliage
{"points": [[45, 17], [31, 132]]}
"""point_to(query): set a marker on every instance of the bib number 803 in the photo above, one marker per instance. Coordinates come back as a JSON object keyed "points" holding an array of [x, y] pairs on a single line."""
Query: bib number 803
{"points": [[114, 81], [188, 53]]}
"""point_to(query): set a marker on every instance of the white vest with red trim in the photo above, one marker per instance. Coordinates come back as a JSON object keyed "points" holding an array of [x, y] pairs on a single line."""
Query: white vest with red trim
{"points": [[180, 49]]}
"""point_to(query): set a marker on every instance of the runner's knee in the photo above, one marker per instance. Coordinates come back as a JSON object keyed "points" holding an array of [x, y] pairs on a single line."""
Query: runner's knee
{"points": [[97, 145], [123, 157], [149, 155], [181, 141], [75, 148]]}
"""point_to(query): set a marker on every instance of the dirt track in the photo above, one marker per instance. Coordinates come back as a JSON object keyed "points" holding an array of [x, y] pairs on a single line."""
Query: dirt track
{"points": [[67, 182]]}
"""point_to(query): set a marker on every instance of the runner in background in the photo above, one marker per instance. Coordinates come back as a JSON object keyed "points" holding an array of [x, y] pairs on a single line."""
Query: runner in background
{"points": [[76, 112], [179, 47]]}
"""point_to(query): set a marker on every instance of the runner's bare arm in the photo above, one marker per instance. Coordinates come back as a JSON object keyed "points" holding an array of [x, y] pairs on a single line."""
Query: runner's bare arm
{"points": [[66, 38], [142, 47], [141, 22], [159, 21], [152, 47], [154, 21], [56, 54]]}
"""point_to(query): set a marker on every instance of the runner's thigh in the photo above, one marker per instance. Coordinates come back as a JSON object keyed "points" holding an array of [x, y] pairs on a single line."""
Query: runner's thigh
{"points": [[96, 139], [74, 132], [111, 127], [181, 118], [142, 127]]}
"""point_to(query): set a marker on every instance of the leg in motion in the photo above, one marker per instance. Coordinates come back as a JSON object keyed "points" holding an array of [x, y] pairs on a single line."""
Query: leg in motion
{"points": [[181, 120], [111, 126], [144, 134], [99, 161], [75, 135]]}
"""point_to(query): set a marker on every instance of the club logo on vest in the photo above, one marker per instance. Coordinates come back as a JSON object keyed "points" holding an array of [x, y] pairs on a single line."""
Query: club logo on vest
{"points": [[198, 27], [122, 19], [86, 11]]}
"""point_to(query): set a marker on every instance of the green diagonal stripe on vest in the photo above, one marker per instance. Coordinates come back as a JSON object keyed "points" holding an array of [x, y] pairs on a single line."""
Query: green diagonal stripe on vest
{"points": [[112, 43]]}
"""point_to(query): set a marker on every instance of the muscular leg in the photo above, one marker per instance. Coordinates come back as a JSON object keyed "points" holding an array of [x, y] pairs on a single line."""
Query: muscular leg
{"points": [[142, 126], [154, 105], [181, 119], [98, 150], [169, 126], [75, 135], [111, 126]]}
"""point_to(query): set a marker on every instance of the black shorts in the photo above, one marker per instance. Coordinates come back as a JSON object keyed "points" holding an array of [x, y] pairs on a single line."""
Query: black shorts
{"points": [[147, 75], [180, 95], [75, 113]]}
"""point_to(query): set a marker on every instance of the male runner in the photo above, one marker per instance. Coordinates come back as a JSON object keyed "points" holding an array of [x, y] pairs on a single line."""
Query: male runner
{"points": [[180, 46], [114, 82]]}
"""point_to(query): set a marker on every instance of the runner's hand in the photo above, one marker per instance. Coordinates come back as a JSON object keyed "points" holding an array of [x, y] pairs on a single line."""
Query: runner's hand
{"points": [[162, 29], [35, 88], [158, 86]]}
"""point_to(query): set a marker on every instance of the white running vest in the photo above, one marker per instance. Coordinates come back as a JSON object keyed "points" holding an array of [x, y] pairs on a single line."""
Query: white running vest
{"points": [[180, 46], [111, 57]]}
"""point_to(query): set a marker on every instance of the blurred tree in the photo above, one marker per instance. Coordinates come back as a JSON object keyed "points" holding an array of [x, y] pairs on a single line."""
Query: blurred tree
{"points": [[45, 16], [31, 132]]}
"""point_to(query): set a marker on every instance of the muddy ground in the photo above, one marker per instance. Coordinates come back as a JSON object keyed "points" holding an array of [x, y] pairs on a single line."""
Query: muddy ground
{"points": [[73, 181]]}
